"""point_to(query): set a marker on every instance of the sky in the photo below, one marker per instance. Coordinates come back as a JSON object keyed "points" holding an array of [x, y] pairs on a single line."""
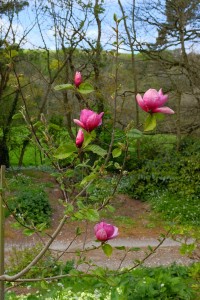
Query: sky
{"points": [[25, 24], [26, 21]]}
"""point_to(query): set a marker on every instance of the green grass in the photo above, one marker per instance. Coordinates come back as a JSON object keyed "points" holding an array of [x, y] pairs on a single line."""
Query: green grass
{"points": [[185, 210], [32, 157]]}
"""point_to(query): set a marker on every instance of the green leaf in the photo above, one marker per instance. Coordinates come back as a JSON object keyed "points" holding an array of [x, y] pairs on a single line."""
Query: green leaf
{"points": [[89, 178], [65, 151], [96, 149], [135, 249], [100, 272], [117, 166], [17, 116], [15, 225], [160, 116], [120, 247], [44, 285], [85, 88], [88, 138], [150, 122], [115, 17], [107, 249], [116, 152], [134, 134], [78, 231], [112, 281], [28, 232], [11, 53], [92, 215], [61, 87]]}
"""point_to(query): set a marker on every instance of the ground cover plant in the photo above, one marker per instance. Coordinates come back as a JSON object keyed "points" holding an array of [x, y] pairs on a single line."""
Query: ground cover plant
{"points": [[169, 180], [174, 282]]}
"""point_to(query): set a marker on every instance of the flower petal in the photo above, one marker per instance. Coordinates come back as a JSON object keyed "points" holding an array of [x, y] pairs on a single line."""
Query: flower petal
{"points": [[163, 110], [85, 114], [141, 103], [92, 122], [109, 229], [151, 99], [98, 226], [101, 235], [115, 233], [79, 138], [162, 98], [79, 123]]}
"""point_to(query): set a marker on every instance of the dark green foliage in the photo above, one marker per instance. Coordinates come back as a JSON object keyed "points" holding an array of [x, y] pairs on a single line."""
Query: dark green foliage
{"points": [[158, 283], [173, 282], [170, 180], [32, 206]]}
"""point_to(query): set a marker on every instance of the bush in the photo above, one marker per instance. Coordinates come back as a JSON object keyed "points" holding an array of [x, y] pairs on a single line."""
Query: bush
{"points": [[48, 266], [31, 206]]}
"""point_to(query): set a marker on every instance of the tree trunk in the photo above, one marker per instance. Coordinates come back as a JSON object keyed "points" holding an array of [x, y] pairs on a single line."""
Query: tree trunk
{"points": [[4, 153]]}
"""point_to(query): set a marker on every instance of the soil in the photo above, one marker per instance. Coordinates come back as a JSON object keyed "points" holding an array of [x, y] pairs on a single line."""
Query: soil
{"points": [[138, 227]]}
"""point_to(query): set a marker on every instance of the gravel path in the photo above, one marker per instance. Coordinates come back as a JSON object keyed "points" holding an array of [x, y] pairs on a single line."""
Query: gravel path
{"points": [[168, 253]]}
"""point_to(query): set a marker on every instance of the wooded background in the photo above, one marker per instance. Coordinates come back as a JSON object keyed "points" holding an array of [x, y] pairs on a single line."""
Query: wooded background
{"points": [[158, 45]]}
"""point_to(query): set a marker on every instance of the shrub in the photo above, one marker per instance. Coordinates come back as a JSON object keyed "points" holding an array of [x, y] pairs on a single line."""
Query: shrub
{"points": [[31, 206], [47, 266]]}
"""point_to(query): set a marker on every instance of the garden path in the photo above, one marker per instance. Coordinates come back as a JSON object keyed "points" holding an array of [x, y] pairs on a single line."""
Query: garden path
{"points": [[138, 227]]}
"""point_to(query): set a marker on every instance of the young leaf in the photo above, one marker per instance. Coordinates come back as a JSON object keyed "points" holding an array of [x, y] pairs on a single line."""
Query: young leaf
{"points": [[85, 88], [120, 247], [65, 151], [150, 122], [135, 249], [134, 134], [88, 137], [17, 116], [92, 215], [61, 87], [96, 149], [116, 152], [28, 232], [107, 249], [89, 178]]}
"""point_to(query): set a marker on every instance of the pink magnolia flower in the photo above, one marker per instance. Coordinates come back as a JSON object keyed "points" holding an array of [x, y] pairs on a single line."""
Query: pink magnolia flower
{"points": [[89, 120], [105, 232], [79, 138], [77, 79], [153, 102]]}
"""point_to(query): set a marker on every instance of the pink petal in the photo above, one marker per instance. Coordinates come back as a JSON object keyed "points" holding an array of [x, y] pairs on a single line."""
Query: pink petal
{"points": [[115, 233], [101, 235], [85, 114], [93, 122], [79, 123], [100, 117], [109, 229], [162, 98], [151, 99], [79, 138], [141, 103], [163, 110], [98, 226], [77, 79]]}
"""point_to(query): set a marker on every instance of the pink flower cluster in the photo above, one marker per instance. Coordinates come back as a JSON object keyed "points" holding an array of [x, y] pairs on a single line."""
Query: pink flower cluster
{"points": [[104, 231], [89, 120]]}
